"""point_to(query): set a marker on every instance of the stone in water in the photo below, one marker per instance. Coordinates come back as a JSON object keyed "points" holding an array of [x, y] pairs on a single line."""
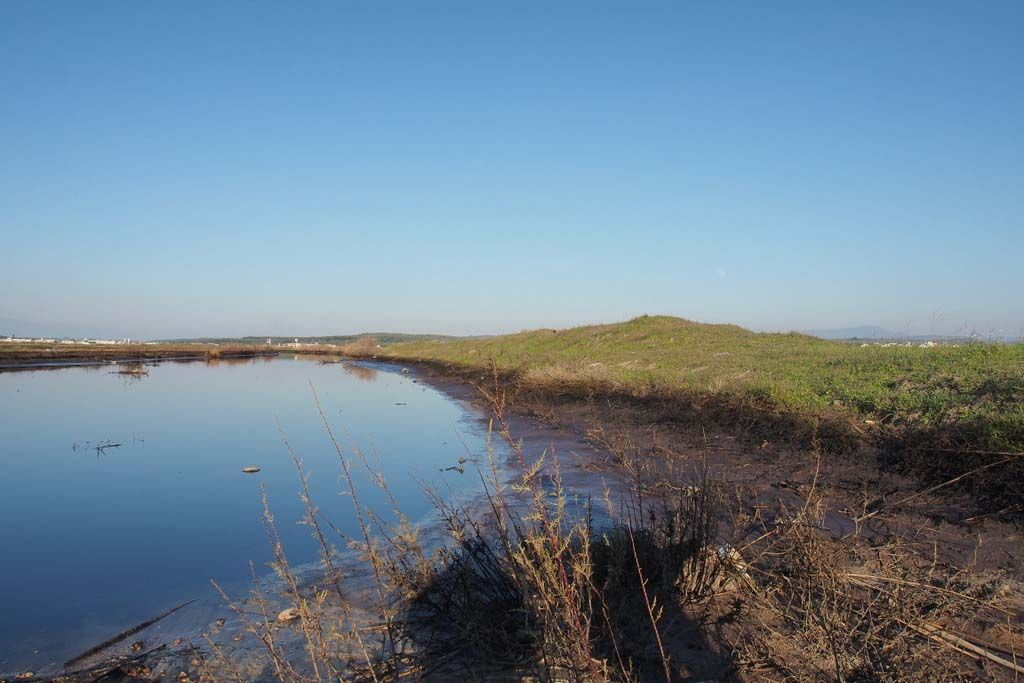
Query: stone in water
{"points": [[290, 614]]}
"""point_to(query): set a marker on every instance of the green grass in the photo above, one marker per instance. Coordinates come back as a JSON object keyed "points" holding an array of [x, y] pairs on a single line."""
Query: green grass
{"points": [[974, 389]]}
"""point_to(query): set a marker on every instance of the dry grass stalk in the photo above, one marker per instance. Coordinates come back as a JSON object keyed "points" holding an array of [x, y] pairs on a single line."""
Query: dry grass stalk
{"points": [[530, 587], [364, 347], [846, 611]]}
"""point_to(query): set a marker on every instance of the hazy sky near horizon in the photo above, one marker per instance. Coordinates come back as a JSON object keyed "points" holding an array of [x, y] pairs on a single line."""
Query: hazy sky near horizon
{"points": [[192, 168]]}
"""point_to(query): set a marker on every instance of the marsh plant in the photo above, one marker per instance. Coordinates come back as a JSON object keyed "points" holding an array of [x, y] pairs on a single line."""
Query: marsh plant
{"points": [[530, 586], [527, 586]]}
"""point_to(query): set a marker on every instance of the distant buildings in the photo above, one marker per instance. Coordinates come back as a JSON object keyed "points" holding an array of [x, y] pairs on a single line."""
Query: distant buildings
{"points": [[908, 345], [296, 344], [49, 340]]}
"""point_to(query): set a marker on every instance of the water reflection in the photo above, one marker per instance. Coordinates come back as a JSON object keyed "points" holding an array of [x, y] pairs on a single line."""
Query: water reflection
{"points": [[360, 372], [228, 360], [162, 498], [131, 372]]}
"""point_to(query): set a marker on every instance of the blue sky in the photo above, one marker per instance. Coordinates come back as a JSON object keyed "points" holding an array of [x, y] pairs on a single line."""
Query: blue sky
{"points": [[197, 168]]}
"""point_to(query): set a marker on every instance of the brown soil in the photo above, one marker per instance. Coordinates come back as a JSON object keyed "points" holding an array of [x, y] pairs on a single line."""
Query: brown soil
{"points": [[866, 509]]}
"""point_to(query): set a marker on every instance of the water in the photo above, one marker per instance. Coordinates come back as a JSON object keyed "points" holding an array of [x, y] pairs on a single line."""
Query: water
{"points": [[96, 541]]}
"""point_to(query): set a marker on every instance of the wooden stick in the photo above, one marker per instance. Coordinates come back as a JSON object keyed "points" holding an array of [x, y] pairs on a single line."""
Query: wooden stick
{"points": [[102, 671], [891, 579], [931, 489], [970, 452], [936, 633], [124, 634]]}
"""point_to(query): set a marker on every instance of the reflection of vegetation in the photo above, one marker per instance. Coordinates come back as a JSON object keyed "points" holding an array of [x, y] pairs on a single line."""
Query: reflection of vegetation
{"points": [[316, 356], [132, 372], [360, 372], [100, 447], [228, 360]]}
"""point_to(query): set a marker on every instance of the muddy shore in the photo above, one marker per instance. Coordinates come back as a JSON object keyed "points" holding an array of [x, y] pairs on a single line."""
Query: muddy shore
{"points": [[856, 482], [864, 502]]}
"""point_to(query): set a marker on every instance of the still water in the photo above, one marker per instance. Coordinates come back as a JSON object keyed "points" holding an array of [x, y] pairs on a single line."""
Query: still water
{"points": [[94, 541]]}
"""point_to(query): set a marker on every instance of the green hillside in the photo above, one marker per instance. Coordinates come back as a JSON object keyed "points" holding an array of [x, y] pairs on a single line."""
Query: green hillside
{"points": [[972, 393]]}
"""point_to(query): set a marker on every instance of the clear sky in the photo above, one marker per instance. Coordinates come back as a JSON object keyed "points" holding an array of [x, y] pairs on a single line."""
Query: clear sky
{"points": [[229, 168]]}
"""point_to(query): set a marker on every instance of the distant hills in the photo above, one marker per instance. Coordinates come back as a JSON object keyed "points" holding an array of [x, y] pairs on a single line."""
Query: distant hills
{"points": [[861, 332], [876, 333]]}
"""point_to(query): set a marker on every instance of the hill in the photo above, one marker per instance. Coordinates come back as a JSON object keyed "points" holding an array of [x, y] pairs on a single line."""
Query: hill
{"points": [[955, 396]]}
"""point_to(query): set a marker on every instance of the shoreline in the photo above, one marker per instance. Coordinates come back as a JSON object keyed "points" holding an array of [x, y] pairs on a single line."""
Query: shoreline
{"points": [[862, 502], [770, 475], [582, 414], [197, 622], [861, 498], [15, 356], [56, 364], [931, 453]]}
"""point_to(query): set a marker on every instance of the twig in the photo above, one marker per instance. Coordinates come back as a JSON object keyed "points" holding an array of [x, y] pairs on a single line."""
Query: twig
{"points": [[958, 643], [124, 634], [650, 610], [857, 578], [931, 489], [105, 670], [1017, 454]]}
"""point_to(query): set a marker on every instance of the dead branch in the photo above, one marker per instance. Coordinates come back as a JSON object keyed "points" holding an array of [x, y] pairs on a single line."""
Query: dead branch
{"points": [[124, 634]]}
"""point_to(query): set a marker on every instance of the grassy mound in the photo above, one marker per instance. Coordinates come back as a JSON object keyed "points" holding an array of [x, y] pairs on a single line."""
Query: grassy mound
{"points": [[966, 396]]}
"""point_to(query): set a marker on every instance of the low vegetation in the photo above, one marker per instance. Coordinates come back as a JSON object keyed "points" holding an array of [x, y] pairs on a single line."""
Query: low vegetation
{"points": [[695, 585], [978, 383], [928, 406], [362, 346], [15, 353]]}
